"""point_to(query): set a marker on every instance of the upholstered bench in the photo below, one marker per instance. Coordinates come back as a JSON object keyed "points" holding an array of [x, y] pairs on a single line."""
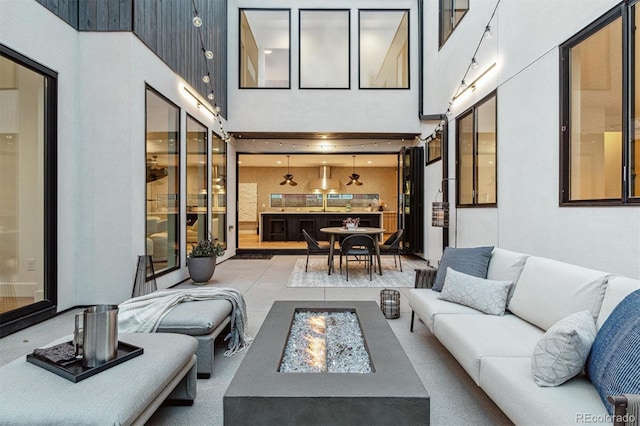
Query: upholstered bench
{"points": [[126, 394], [202, 319]]}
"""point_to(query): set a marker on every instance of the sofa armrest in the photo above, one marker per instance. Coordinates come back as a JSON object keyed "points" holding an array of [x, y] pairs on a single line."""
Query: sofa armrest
{"points": [[621, 413], [425, 277]]}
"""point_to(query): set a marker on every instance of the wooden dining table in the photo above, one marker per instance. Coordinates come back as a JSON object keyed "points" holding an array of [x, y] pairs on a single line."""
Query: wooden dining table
{"points": [[343, 231]]}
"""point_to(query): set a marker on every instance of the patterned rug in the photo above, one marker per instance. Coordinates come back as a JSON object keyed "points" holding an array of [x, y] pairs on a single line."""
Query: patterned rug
{"points": [[358, 274]]}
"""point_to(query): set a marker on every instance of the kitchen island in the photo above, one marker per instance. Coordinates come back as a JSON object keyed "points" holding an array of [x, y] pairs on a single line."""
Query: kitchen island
{"points": [[288, 225]]}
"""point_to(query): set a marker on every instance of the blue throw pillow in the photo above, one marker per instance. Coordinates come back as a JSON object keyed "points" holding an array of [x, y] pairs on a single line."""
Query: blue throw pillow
{"points": [[470, 261], [614, 362]]}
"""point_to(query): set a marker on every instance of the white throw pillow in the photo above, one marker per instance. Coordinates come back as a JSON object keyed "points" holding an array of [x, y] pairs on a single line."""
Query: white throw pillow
{"points": [[563, 350], [487, 296]]}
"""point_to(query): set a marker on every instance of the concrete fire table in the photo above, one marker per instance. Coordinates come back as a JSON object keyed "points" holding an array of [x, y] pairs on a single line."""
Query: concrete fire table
{"points": [[391, 394]]}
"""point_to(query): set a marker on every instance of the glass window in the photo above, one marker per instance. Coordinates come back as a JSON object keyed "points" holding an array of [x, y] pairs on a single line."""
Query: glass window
{"points": [[451, 13], [384, 49], [597, 164], [324, 49], [197, 192], [476, 154], [27, 181], [163, 181], [264, 48], [434, 147], [219, 189]]}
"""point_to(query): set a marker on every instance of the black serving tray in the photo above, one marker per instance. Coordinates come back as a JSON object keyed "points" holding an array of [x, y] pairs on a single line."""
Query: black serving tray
{"points": [[76, 372]]}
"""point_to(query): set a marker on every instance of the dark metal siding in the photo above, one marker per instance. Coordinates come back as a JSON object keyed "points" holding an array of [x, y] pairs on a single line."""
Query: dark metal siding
{"points": [[165, 27]]}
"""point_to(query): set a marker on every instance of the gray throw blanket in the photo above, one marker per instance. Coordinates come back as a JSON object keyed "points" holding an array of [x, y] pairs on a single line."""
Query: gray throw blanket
{"points": [[143, 314]]}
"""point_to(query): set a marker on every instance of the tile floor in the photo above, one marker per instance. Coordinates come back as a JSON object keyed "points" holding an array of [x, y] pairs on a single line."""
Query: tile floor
{"points": [[455, 398]]}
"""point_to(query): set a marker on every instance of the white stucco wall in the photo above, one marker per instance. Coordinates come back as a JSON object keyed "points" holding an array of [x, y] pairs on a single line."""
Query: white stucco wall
{"points": [[310, 110], [101, 148], [528, 218]]}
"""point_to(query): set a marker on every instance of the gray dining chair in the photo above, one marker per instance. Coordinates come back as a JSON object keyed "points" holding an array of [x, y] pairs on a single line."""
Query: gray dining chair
{"points": [[392, 246], [314, 247], [357, 246]]}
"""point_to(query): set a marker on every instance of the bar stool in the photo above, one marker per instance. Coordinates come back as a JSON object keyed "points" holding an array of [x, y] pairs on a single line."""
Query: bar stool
{"points": [[308, 225], [278, 229]]}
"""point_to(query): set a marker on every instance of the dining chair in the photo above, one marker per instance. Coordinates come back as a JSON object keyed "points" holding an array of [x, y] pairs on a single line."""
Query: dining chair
{"points": [[357, 245], [392, 246], [314, 247]]}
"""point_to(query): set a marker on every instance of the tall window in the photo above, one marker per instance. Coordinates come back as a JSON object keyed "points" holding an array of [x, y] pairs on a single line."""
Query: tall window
{"points": [[163, 182], [451, 13], [384, 49], [27, 192], [218, 189], [324, 49], [597, 165], [197, 191], [476, 155], [264, 48]]}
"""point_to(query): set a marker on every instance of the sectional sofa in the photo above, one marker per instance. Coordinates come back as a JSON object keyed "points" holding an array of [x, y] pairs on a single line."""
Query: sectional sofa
{"points": [[500, 351]]}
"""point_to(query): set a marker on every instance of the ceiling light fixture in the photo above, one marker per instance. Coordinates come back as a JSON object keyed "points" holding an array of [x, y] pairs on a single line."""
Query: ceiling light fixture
{"points": [[288, 178], [354, 178]]}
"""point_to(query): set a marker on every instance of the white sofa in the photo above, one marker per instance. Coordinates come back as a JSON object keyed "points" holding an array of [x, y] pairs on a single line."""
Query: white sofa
{"points": [[496, 351]]}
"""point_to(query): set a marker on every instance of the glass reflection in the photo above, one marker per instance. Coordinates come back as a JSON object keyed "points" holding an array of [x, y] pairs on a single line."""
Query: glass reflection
{"points": [[196, 224], [264, 48], [219, 189], [163, 182], [384, 49]]}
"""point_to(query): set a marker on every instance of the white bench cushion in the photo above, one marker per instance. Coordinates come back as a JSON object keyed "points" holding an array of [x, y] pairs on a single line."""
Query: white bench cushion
{"points": [[509, 383], [549, 291], [471, 338]]}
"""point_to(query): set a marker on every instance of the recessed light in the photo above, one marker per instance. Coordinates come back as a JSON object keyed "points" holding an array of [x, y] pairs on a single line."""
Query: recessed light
{"points": [[279, 162], [369, 162], [268, 52]]}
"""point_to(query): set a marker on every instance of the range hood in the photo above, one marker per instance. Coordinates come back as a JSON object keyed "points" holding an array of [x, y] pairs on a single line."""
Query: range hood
{"points": [[324, 181]]}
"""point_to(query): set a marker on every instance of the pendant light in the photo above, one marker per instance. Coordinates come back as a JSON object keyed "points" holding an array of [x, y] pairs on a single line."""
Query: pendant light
{"points": [[288, 178], [354, 176]]}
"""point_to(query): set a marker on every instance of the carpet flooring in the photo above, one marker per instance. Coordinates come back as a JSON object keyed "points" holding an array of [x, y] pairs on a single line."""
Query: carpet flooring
{"points": [[316, 275]]}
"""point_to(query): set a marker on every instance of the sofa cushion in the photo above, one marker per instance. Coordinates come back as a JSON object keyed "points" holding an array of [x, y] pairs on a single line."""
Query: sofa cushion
{"points": [[196, 317], [470, 338], [563, 350], [506, 265], [618, 288], [615, 356], [427, 304], [487, 296], [549, 291], [470, 261], [508, 382]]}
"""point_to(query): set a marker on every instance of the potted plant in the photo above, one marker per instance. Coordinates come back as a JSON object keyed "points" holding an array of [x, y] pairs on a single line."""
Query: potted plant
{"points": [[202, 260]]}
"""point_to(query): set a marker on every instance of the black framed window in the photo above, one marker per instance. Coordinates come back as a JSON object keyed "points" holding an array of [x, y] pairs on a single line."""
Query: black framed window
{"points": [[384, 49], [476, 144], [265, 58], [599, 103], [451, 13], [28, 192], [163, 181], [324, 49]]}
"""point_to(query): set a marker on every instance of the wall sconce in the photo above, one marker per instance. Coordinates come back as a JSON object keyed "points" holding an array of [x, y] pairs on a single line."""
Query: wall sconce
{"points": [[440, 214]]}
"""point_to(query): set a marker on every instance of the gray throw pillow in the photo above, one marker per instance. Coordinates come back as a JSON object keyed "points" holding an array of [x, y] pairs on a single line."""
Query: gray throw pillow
{"points": [[471, 261], [563, 350], [487, 296]]}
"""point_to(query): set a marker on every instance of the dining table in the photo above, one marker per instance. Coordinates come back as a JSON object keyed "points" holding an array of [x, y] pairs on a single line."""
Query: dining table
{"points": [[340, 231]]}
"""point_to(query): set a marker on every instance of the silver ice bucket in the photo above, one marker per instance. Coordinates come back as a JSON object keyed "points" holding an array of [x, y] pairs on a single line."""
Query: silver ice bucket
{"points": [[96, 335]]}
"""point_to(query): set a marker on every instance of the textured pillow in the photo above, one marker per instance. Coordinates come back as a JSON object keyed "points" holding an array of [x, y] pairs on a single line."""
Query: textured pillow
{"points": [[470, 261], [613, 365], [486, 296], [563, 350]]}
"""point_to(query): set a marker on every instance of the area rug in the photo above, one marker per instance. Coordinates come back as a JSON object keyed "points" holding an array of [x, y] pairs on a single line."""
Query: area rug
{"points": [[317, 276], [248, 256]]}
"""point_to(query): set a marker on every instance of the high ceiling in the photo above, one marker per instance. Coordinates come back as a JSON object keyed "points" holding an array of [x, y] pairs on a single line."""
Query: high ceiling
{"points": [[315, 160]]}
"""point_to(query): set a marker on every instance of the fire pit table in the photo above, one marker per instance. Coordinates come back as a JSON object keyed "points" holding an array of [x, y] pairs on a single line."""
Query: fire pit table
{"points": [[267, 390]]}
